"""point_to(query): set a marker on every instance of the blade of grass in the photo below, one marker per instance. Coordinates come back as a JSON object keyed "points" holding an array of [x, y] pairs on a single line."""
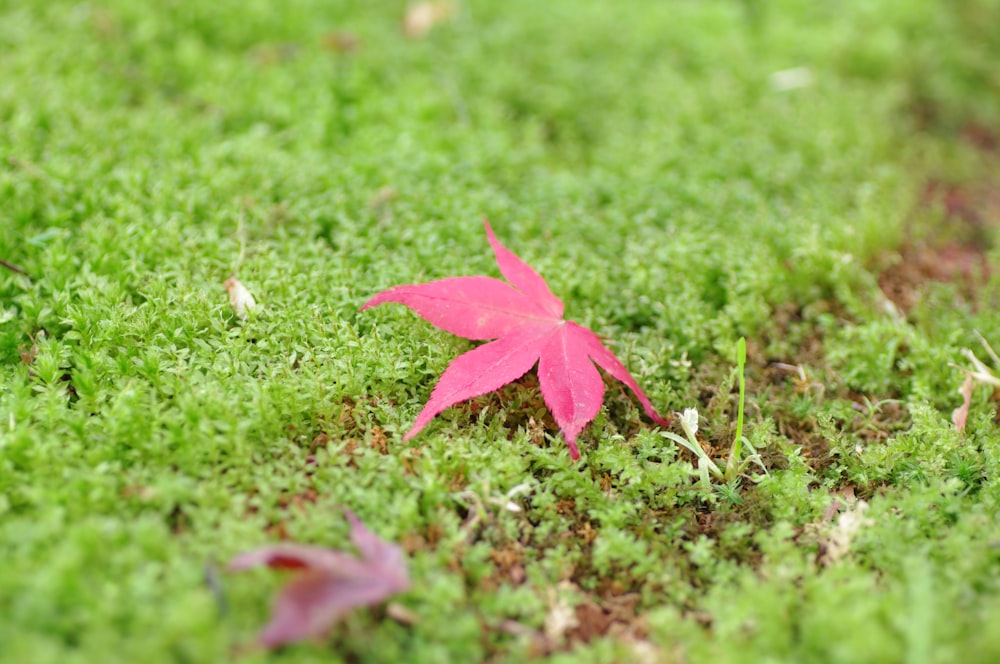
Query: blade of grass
{"points": [[736, 452]]}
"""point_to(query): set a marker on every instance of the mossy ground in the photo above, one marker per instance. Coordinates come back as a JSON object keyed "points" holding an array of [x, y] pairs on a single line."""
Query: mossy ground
{"points": [[673, 190]]}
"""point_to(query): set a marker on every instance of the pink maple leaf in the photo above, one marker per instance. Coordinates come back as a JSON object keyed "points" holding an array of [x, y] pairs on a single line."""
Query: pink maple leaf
{"points": [[329, 583], [526, 321]]}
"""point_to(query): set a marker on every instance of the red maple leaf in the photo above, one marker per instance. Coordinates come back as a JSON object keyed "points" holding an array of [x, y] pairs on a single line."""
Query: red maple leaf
{"points": [[329, 583], [526, 321]]}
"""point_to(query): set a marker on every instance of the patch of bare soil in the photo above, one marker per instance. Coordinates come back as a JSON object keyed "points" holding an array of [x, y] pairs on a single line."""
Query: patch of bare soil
{"points": [[789, 381], [948, 241], [954, 249]]}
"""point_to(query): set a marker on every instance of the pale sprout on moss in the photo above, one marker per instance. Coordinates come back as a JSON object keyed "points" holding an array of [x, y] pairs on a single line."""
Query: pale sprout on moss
{"points": [[837, 542], [423, 16], [689, 421], [240, 298], [561, 616], [791, 79], [979, 374]]}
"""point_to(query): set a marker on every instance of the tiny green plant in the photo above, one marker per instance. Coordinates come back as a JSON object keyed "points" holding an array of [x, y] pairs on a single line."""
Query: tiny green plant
{"points": [[737, 462], [737, 450]]}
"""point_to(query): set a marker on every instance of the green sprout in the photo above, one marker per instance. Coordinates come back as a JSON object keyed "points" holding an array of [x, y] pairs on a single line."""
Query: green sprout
{"points": [[737, 462]]}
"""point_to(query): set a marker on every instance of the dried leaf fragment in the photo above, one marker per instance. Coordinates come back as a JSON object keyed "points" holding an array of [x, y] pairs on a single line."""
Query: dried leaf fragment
{"points": [[980, 373], [561, 616], [423, 16], [837, 542], [960, 415], [28, 354], [329, 583], [402, 614], [240, 298]]}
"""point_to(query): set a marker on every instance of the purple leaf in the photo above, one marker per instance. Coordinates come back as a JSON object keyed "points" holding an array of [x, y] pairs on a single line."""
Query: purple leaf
{"points": [[328, 583]]}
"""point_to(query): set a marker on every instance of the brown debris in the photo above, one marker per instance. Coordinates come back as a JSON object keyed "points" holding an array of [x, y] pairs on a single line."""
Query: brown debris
{"points": [[13, 268], [963, 264], [139, 491], [299, 500], [178, 521], [278, 531], [586, 533], [955, 249], [981, 137], [378, 440], [340, 41], [510, 563], [409, 457], [28, 354], [320, 441], [413, 542], [615, 615]]}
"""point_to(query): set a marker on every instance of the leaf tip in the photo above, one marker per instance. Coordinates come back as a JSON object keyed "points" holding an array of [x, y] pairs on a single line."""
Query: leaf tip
{"points": [[498, 248], [574, 449], [373, 301], [659, 419]]}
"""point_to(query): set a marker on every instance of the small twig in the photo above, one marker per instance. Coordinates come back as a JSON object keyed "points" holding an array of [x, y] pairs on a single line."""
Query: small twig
{"points": [[14, 268], [796, 369], [988, 347]]}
